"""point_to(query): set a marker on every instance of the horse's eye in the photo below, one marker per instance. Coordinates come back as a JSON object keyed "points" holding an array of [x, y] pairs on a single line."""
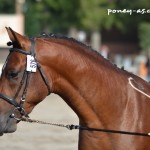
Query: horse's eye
{"points": [[12, 74]]}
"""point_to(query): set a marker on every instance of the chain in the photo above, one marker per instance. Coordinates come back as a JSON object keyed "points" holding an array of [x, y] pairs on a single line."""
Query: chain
{"points": [[29, 120]]}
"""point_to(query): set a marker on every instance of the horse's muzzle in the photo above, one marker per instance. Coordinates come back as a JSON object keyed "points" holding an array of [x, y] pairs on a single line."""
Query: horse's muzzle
{"points": [[8, 126]]}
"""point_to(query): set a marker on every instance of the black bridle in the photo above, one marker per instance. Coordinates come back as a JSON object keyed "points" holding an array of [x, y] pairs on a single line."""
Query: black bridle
{"points": [[26, 80]]}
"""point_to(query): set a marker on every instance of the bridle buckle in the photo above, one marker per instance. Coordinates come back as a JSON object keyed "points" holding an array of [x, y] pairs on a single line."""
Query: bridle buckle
{"points": [[21, 111]]}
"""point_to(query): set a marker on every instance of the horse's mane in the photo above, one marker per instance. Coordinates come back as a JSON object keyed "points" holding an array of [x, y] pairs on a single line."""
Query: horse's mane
{"points": [[71, 39], [84, 45]]}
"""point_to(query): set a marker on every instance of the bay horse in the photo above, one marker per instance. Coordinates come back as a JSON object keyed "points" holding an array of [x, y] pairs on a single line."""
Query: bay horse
{"points": [[96, 90]]}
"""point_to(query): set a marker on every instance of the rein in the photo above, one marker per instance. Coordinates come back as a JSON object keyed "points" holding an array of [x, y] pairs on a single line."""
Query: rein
{"points": [[79, 127]]}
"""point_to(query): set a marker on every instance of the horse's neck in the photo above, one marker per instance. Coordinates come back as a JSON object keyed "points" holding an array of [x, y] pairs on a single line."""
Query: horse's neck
{"points": [[94, 91], [69, 72], [78, 78]]}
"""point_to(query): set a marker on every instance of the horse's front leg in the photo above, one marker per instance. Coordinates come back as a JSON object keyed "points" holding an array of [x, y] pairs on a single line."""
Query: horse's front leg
{"points": [[92, 140]]}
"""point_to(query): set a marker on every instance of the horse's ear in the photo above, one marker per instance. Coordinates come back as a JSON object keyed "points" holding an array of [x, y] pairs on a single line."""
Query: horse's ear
{"points": [[17, 38]]}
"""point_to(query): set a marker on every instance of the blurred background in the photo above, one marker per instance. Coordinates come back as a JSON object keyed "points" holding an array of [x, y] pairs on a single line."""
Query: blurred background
{"points": [[123, 38]]}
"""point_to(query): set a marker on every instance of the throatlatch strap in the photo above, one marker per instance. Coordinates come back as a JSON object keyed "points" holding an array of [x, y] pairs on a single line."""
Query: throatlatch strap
{"points": [[44, 78]]}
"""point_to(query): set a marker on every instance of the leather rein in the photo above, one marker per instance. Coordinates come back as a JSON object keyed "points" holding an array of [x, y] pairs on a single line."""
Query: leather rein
{"points": [[25, 79]]}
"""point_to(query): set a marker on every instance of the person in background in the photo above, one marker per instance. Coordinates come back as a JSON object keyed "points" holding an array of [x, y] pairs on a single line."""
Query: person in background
{"points": [[104, 51], [148, 67], [143, 70]]}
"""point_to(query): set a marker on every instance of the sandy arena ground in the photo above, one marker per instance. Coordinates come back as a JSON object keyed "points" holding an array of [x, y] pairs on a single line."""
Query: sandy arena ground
{"points": [[44, 137]]}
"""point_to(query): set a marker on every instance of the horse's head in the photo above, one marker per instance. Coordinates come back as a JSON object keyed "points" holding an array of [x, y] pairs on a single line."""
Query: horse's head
{"points": [[17, 84]]}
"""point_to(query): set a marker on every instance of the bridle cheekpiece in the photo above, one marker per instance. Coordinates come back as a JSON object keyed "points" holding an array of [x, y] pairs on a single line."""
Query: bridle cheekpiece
{"points": [[31, 66]]}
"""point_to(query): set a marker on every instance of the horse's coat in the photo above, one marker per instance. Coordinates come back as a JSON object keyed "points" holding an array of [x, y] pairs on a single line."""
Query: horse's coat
{"points": [[95, 89]]}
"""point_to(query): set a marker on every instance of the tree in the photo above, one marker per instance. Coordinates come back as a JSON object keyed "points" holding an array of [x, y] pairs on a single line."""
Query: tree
{"points": [[93, 14], [51, 15], [93, 17], [7, 6], [144, 36], [129, 23]]}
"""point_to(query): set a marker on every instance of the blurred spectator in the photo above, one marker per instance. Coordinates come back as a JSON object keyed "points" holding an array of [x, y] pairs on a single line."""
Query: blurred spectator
{"points": [[143, 70], [148, 67], [104, 51], [81, 36]]}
